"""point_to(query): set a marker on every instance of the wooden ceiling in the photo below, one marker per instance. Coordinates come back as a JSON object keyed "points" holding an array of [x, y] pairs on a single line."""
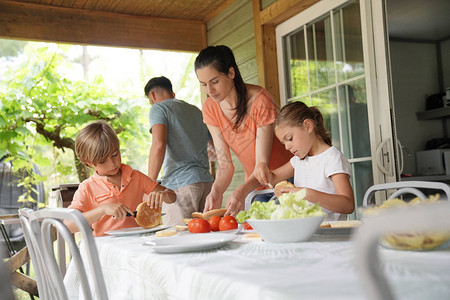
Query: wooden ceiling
{"points": [[192, 10], [159, 24]]}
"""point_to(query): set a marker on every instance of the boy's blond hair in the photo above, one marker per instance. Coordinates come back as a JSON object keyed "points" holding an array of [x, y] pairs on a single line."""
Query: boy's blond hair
{"points": [[95, 142]]}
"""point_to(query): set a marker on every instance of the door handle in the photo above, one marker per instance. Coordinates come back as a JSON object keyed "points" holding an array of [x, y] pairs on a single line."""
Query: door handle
{"points": [[389, 171], [379, 159], [400, 155]]}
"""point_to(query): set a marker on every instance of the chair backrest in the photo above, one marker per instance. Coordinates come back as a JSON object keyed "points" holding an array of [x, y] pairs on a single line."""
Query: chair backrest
{"points": [[405, 187], [253, 194], [33, 249], [37, 226], [368, 234]]}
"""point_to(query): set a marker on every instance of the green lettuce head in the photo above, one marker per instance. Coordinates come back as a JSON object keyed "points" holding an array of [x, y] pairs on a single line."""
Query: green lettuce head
{"points": [[292, 206]]}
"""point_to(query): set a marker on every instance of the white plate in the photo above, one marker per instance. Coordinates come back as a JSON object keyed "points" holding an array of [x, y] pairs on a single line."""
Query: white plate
{"points": [[232, 231], [135, 230], [190, 242]]}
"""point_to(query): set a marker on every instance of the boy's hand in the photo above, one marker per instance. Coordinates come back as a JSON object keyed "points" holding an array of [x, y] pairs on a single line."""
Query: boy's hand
{"points": [[116, 210], [156, 198]]}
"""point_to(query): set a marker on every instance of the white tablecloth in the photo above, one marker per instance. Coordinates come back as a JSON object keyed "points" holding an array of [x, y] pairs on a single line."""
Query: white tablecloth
{"points": [[322, 268]]}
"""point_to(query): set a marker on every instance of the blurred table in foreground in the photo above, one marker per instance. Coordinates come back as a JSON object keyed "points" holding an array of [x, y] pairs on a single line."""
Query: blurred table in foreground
{"points": [[322, 268]]}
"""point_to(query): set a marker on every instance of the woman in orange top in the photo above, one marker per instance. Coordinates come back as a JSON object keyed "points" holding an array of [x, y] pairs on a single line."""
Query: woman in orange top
{"points": [[240, 117]]}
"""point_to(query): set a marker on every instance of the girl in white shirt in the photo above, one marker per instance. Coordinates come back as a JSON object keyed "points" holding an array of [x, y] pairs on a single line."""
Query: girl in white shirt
{"points": [[317, 165]]}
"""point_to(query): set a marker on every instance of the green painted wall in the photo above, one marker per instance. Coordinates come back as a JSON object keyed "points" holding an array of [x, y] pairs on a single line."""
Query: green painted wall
{"points": [[265, 3]]}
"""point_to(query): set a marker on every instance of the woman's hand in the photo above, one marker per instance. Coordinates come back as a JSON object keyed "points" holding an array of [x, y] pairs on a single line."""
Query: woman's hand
{"points": [[213, 200], [235, 203], [262, 173], [116, 210]]}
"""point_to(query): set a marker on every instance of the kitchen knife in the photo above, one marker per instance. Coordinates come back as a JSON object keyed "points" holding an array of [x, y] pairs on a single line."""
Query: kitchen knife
{"points": [[135, 212]]}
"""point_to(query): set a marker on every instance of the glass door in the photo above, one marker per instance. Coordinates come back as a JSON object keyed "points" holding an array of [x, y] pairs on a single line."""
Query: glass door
{"points": [[323, 61]]}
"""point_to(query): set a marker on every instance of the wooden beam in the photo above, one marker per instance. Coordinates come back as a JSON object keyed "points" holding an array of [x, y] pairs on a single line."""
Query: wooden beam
{"points": [[77, 26], [18, 260], [25, 283], [259, 41], [281, 10], [265, 37], [270, 62], [266, 54], [205, 35]]}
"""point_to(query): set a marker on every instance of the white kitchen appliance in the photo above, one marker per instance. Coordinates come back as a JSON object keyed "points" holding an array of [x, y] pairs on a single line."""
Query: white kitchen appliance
{"points": [[433, 162]]}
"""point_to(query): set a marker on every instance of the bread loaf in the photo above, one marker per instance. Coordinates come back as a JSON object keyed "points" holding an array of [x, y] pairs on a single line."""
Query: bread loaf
{"points": [[280, 185], [197, 215], [147, 217], [214, 212], [284, 183], [210, 213]]}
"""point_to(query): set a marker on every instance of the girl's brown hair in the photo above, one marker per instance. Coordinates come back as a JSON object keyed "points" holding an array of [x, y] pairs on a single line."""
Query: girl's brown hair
{"points": [[294, 113], [95, 142]]}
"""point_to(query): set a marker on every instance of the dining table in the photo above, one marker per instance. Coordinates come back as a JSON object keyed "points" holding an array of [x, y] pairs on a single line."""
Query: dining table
{"points": [[247, 268]]}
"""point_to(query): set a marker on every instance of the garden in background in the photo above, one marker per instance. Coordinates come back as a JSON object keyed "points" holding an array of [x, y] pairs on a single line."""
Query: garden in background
{"points": [[49, 91]]}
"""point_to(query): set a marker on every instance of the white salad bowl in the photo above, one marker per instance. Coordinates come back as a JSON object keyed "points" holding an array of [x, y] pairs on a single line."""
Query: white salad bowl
{"points": [[287, 230]]}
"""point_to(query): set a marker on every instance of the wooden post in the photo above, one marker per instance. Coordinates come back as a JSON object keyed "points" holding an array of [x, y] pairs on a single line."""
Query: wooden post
{"points": [[266, 54], [265, 21]]}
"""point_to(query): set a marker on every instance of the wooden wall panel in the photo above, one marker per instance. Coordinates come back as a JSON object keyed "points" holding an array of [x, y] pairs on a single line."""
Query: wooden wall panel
{"points": [[45, 23], [247, 69], [246, 51], [236, 18], [237, 37], [266, 3], [229, 12]]}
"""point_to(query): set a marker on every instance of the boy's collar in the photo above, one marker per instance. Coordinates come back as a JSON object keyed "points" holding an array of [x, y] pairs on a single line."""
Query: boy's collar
{"points": [[125, 169]]}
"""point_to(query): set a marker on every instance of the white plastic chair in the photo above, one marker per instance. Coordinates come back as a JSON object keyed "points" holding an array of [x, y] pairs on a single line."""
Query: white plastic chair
{"points": [[37, 227], [252, 194], [432, 217], [405, 187]]}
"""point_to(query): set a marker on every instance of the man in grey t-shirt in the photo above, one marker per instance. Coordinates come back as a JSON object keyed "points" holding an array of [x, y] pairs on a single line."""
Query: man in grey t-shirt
{"points": [[179, 146]]}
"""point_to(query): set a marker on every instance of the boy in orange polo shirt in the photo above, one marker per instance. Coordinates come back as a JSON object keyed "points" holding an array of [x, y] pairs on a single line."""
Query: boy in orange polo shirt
{"points": [[114, 189]]}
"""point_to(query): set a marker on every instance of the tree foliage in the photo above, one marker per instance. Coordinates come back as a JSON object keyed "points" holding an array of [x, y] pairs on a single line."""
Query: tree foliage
{"points": [[41, 107]]}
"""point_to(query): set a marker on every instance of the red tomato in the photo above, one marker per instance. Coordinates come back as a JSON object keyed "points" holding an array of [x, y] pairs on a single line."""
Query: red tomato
{"points": [[247, 226], [228, 223], [214, 222], [198, 226]]}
